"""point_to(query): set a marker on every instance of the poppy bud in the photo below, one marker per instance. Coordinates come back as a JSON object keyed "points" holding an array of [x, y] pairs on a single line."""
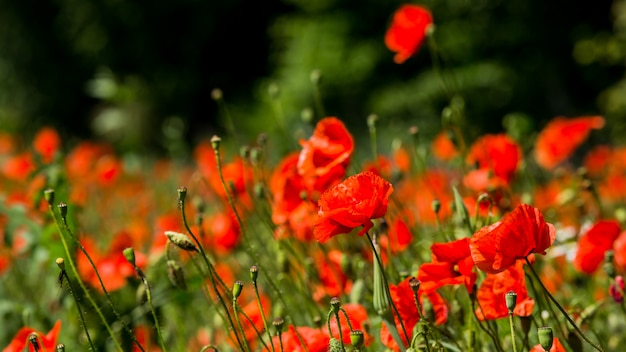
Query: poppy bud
{"points": [[316, 76], [254, 273], [182, 194], [335, 304], [335, 345], [62, 210], [357, 338], [511, 301], [545, 337], [237, 288], [616, 289], [181, 241], [381, 299], [129, 254], [176, 275], [306, 115], [436, 206], [273, 90], [48, 194], [371, 121], [255, 155], [217, 94], [60, 263], [278, 324], [60, 347], [33, 339], [215, 142]]}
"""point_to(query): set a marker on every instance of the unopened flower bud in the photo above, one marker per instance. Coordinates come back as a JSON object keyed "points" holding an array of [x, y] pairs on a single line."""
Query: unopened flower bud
{"points": [[357, 338], [616, 289], [34, 341], [48, 194], [545, 337], [334, 345], [511, 300], [181, 241], [414, 284], [182, 194], [129, 254], [60, 263], [436, 206], [335, 304], [237, 288], [608, 265], [371, 121], [217, 94], [254, 273], [62, 210], [215, 142], [278, 324]]}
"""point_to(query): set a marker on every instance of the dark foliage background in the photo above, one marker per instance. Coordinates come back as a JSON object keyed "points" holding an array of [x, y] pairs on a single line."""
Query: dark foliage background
{"points": [[140, 73]]}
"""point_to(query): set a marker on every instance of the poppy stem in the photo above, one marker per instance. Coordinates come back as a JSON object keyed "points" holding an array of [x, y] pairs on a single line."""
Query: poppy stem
{"points": [[80, 311], [70, 260], [386, 284], [106, 292], [569, 319], [512, 326], [236, 313], [157, 326]]}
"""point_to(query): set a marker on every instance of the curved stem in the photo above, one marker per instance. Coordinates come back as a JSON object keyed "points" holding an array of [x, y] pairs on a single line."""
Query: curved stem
{"points": [[569, 319], [80, 311]]}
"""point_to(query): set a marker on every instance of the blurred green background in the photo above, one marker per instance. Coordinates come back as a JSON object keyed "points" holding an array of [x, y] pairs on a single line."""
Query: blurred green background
{"points": [[140, 73]]}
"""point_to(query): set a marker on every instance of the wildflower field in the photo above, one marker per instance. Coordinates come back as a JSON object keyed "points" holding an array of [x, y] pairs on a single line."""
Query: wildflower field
{"points": [[316, 239]]}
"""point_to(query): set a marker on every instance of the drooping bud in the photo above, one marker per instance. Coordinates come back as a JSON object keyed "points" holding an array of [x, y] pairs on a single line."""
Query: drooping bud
{"points": [[129, 254], [237, 288], [48, 194], [181, 241], [546, 337], [176, 275], [511, 300]]}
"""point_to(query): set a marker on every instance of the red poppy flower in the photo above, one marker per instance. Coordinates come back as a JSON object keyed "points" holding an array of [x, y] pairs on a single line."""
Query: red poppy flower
{"points": [[408, 31], [333, 281], [222, 231], [523, 231], [594, 243], [492, 291], [452, 265], [18, 167], [47, 143], [558, 140], [20, 340], [443, 148], [556, 347], [497, 153], [352, 203], [325, 156]]}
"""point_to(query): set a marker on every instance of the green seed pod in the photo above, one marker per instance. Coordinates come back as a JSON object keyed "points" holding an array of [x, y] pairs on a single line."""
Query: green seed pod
{"points": [[237, 288], [357, 338], [511, 300], [129, 254], [545, 337], [48, 194]]}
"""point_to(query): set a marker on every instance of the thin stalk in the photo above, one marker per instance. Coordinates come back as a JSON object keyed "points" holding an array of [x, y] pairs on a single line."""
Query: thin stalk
{"points": [[157, 326], [106, 293], [235, 312], [512, 326], [70, 260], [395, 309], [569, 319], [80, 311], [422, 319], [258, 300]]}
